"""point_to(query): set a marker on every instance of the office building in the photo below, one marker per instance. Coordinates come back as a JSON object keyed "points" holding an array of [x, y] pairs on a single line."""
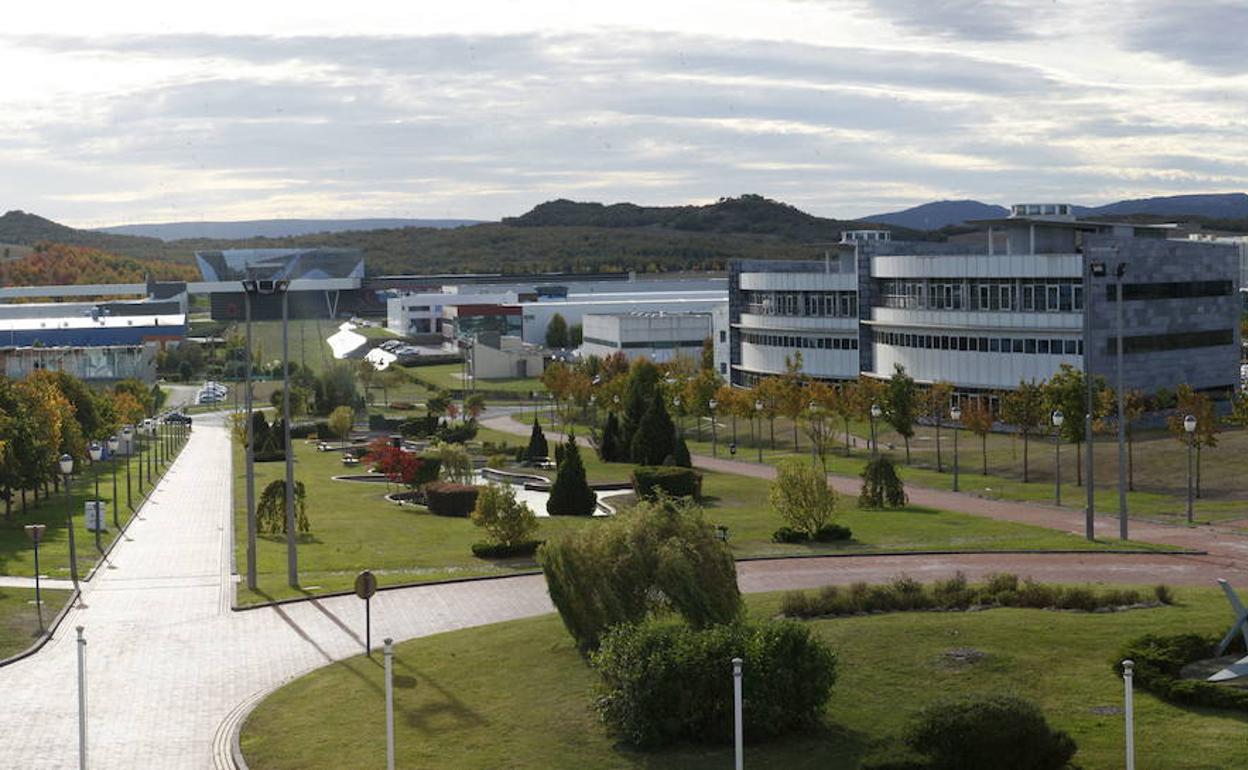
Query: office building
{"points": [[658, 336]]}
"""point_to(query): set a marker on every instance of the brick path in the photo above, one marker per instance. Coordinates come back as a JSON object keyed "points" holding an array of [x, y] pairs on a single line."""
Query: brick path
{"points": [[169, 664]]}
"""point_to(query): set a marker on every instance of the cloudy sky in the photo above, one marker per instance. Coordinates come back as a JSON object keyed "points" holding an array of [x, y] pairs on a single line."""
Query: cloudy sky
{"points": [[155, 111]]}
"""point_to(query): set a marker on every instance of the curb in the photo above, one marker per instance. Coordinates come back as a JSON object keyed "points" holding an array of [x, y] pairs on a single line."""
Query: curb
{"points": [[235, 607]]}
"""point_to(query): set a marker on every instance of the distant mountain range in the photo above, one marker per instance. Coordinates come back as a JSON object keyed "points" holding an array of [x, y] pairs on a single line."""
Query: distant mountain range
{"points": [[939, 214], [273, 228]]}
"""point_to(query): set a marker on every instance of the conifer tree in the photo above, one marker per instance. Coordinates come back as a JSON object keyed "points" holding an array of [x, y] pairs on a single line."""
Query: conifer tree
{"points": [[538, 448], [655, 435], [609, 447], [570, 495]]}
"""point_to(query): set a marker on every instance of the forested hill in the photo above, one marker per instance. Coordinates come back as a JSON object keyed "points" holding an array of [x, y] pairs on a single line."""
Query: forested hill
{"points": [[21, 228], [60, 264], [748, 214]]}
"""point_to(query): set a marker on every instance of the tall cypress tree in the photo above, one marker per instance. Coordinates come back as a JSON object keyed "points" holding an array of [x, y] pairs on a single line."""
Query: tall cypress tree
{"points": [[570, 495], [609, 450], [656, 435], [538, 448], [643, 381]]}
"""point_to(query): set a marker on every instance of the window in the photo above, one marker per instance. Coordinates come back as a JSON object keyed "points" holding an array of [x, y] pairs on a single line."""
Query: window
{"points": [[1155, 343], [1169, 290], [723, 336]]}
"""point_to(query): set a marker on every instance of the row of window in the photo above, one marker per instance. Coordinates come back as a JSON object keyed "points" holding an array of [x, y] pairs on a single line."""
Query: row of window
{"points": [[817, 304], [1043, 346], [1170, 290], [1157, 343], [792, 341], [656, 344], [1045, 295]]}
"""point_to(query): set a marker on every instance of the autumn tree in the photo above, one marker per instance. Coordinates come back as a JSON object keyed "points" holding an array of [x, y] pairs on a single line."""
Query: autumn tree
{"points": [[1066, 390], [977, 417], [934, 403], [1025, 408], [340, 422], [1198, 405], [901, 404]]}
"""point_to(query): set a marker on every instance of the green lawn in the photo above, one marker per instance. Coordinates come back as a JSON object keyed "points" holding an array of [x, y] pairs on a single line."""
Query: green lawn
{"points": [[517, 695], [1160, 466], [19, 618], [306, 340], [447, 377], [355, 528], [16, 549]]}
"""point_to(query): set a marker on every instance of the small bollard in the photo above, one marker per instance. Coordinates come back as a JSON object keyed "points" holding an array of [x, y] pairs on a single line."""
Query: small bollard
{"points": [[389, 655], [738, 728], [82, 701], [1128, 675]]}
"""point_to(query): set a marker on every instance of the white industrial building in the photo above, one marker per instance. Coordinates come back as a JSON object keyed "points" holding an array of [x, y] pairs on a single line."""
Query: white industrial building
{"points": [[659, 336]]}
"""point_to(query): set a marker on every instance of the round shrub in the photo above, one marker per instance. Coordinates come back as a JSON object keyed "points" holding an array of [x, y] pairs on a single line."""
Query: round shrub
{"points": [[664, 681], [673, 481], [990, 732], [447, 499]]}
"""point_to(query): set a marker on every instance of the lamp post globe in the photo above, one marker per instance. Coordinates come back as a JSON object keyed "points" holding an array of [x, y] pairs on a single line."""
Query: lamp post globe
{"points": [[67, 464], [714, 433], [1057, 418], [876, 412], [1189, 427], [955, 414]]}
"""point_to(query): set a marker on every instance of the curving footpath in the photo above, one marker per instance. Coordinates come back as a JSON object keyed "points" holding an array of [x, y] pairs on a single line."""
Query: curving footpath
{"points": [[172, 670]]}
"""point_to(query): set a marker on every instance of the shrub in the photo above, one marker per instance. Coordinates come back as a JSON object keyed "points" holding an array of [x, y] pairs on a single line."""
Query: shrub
{"points": [[680, 454], [802, 497], [501, 551], [881, 486], [570, 494], [1163, 594], [653, 440], [1160, 659], [829, 533], [652, 480], [665, 682], [538, 448], [307, 430], [457, 433], [447, 499], [609, 449], [508, 521], [419, 427], [656, 555], [271, 509], [498, 460], [402, 406], [989, 733], [455, 463]]}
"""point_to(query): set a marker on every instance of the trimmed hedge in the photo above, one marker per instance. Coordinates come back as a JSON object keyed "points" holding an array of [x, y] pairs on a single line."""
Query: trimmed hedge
{"points": [[1159, 659], [381, 422], [1001, 590], [664, 682], [306, 429], [503, 551], [447, 499], [673, 481], [988, 733], [828, 533]]}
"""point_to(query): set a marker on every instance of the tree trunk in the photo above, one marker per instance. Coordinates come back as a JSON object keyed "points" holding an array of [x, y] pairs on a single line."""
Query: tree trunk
{"points": [[847, 437], [1198, 470], [1078, 463], [907, 440], [796, 448], [734, 429], [23, 500], [983, 444], [939, 465], [771, 423], [1026, 477]]}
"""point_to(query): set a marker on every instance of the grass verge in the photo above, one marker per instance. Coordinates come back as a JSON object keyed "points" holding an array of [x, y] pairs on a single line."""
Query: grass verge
{"points": [[19, 618]]}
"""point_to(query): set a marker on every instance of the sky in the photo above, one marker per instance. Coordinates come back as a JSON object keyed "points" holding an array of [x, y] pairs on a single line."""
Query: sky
{"points": [[135, 111]]}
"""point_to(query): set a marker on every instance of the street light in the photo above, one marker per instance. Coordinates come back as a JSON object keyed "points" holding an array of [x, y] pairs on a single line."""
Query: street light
{"points": [[875, 442], [1058, 419], [955, 414], [1093, 269], [816, 434], [67, 467], [714, 436], [676, 404], [147, 431], [758, 411], [128, 433], [35, 532], [1122, 423], [113, 443], [95, 451], [1189, 426]]}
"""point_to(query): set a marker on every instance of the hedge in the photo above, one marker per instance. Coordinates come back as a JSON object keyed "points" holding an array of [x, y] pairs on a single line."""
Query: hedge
{"points": [[503, 551], [1159, 660], [828, 533], [671, 480], [664, 681], [447, 499], [988, 732]]}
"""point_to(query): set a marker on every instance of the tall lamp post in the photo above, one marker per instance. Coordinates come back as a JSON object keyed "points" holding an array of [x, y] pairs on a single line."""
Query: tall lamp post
{"points": [[1058, 418], [1122, 423], [679, 425], [247, 445], [955, 414], [876, 412], [35, 532], [113, 443], [128, 433], [1189, 427], [714, 435], [96, 452], [816, 433], [147, 431], [67, 467], [758, 416], [1093, 269]]}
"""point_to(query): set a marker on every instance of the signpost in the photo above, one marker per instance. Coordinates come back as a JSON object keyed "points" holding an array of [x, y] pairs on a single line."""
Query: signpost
{"points": [[365, 587]]}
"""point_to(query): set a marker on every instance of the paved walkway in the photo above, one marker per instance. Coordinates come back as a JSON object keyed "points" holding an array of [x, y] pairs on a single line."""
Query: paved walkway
{"points": [[169, 665]]}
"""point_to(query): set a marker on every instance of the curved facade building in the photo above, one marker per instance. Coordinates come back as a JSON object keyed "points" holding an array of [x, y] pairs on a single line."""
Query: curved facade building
{"points": [[1041, 292]]}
